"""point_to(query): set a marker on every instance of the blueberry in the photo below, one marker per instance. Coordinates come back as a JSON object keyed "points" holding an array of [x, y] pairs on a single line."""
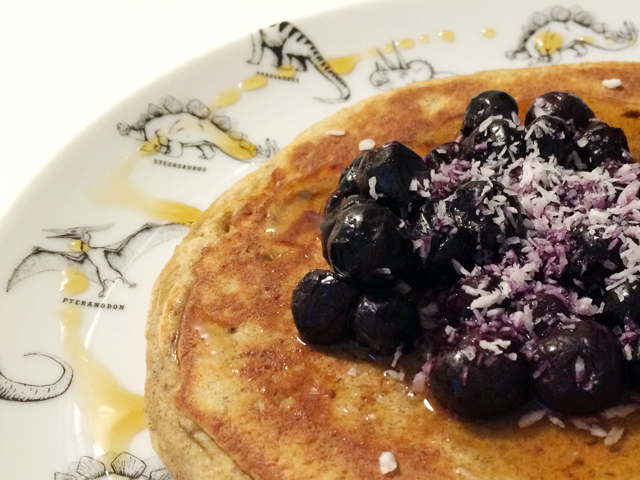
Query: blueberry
{"points": [[474, 381], [499, 139], [384, 323], [329, 220], [483, 212], [633, 365], [548, 311], [578, 368], [437, 251], [366, 242], [548, 137], [322, 304], [347, 186], [598, 143], [590, 260], [621, 304], [488, 104], [455, 304], [445, 153], [389, 171], [568, 106]]}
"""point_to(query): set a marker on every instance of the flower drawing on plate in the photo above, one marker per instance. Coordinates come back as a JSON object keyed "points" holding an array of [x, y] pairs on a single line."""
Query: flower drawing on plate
{"points": [[14, 391], [548, 35], [123, 467], [171, 128], [88, 263], [292, 50]]}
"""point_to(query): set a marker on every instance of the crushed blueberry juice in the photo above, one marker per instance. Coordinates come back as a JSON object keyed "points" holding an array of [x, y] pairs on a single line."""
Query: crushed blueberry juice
{"points": [[512, 252]]}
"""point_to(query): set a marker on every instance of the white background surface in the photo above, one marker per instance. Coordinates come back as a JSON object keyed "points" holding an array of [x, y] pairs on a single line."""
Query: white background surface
{"points": [[63, 63]]}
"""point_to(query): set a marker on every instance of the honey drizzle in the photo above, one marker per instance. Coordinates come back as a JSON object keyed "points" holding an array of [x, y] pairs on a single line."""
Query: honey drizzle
{"points": [[73, 281], [120, 191], [112, 415]]}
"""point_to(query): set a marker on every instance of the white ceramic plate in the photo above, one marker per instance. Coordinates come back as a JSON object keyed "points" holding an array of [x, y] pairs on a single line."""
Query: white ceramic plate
{"points": [[89, 209]]}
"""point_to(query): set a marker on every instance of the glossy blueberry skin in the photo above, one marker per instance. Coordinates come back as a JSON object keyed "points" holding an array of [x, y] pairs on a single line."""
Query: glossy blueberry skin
{"points": [[616, 311], [437, 269], [466, 210], [384, 323], [481, 144], [455, 305], [548, 137], [366, 243], [556, 355], [330, 218], [548, 311], [633, 366], [322, 305], [347, 186], [598, 143], [486, 386], [590, 260], [487, 104], [565, 105], [394, 167], [444, 153]]}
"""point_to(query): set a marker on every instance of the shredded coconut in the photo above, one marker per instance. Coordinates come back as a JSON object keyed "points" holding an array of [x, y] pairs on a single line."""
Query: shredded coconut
{"points": [[366, 144], [387, 462], [612, 83]]}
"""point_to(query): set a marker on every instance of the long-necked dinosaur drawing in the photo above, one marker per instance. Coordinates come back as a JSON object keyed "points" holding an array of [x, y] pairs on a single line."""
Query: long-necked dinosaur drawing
{"points": [[288, 42], [560, 29], [24, 392], [100, 264]]}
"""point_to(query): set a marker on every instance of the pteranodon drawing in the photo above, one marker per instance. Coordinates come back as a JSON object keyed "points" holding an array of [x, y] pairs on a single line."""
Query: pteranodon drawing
{"points": [[99, 264], [23, 392]]}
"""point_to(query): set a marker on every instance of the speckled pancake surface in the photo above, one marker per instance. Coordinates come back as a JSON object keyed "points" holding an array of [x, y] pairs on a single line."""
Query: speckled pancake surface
{"points": [[231, 392]]}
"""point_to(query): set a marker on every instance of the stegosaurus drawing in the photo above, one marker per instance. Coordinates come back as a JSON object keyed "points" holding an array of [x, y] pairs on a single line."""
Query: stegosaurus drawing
{"points": [[548, 35], [172, 127]]}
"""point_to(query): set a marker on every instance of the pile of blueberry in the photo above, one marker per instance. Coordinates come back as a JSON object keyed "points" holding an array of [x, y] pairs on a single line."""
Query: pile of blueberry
{"points": [[510, 253]]}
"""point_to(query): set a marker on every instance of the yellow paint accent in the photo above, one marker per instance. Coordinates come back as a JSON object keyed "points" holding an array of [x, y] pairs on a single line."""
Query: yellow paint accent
{"points": [[151, 146], [424, 38], [447, 35], [79, 246], [406, 43], [227, 98], [286, 71], [257, 81], [119, 190], [342, 65], [112, 415], [488, 32], [548, 43], [73, 282]]}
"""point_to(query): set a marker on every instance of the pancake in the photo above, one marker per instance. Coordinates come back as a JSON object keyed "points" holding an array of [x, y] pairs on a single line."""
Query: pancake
{"points": [[232, 393]]}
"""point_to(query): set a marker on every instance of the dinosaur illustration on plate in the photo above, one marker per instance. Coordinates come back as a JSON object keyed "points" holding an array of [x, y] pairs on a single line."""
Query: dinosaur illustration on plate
{"points": [[24, 392], [101, 265], [388, 75], [172, 127], [287, 42], [124, 466], [548, 35]]}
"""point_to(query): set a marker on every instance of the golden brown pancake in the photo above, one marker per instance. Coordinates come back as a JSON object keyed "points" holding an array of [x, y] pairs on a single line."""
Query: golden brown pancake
{"points": [[232, 393]]}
